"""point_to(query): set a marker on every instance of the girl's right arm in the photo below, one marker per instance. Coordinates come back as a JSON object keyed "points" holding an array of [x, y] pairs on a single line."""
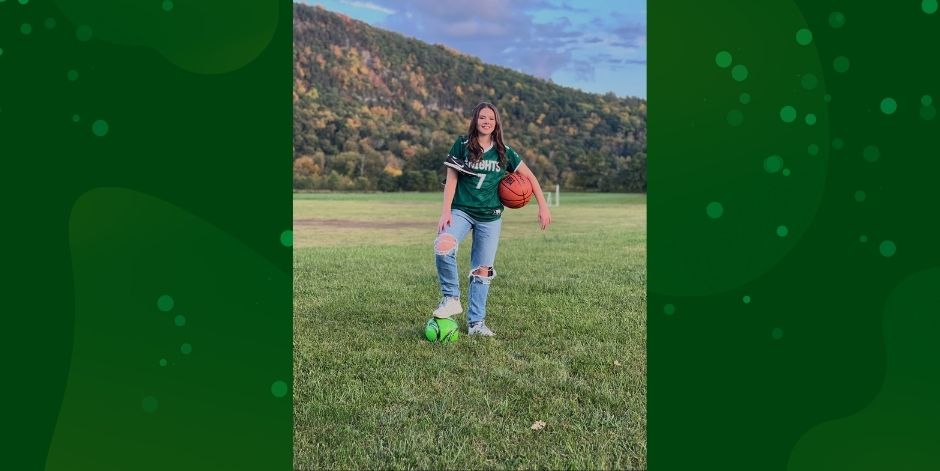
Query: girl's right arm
{"points": [[450, 187]]}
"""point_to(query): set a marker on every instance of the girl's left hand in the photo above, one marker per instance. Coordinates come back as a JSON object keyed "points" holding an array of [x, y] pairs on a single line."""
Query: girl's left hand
{"points": [[545, 217]]}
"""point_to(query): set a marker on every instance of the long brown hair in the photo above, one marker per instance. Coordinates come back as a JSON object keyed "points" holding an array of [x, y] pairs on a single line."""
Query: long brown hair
{"points": [[476, 150]]}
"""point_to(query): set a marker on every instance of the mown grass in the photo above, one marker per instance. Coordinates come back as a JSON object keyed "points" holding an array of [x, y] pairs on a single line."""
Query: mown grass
{"points": [[567, 303]]}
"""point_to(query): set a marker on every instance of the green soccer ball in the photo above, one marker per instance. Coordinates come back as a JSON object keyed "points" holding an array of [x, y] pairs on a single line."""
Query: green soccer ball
{"points": [[441, 330]]}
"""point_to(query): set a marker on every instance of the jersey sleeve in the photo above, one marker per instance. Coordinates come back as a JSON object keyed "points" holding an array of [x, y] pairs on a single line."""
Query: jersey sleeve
{"points": [[456, 150], [512, 159]]}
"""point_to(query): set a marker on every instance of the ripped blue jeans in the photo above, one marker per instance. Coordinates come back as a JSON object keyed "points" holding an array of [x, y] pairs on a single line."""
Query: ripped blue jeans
{"points": [[482, 256]]}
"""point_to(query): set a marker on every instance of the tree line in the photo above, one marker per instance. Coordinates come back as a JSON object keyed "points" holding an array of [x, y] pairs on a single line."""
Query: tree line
{"points": [[377, 111]]}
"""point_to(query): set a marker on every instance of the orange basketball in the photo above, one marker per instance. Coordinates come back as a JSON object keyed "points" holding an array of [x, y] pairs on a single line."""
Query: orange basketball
{"points": [[515, 190]]}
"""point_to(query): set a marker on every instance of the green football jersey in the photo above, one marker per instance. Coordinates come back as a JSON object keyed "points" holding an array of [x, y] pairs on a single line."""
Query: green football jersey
{"points": [[479, 196]]}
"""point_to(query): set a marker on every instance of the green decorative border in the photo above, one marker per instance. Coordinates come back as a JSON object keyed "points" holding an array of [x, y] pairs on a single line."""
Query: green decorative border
{"points": [[146, 154], [793, 256]]}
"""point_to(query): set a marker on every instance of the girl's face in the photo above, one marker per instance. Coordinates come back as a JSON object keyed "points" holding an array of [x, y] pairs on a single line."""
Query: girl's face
{"points": [[486, 122]]}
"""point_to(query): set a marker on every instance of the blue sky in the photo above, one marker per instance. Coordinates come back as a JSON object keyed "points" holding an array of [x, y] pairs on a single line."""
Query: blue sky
{"points": [[597, 46]]}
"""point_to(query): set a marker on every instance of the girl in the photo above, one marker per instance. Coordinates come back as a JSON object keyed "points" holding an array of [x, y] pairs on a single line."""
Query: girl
{"points": [[476, 164]]}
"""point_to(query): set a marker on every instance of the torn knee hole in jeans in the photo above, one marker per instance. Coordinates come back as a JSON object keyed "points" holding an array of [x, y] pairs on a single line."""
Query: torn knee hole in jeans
{"points": [[483, 274], [445, 244]]}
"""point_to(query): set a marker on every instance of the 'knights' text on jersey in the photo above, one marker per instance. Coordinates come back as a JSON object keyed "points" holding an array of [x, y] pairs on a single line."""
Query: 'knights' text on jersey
{"points": [[488, 165], [479, 196]]}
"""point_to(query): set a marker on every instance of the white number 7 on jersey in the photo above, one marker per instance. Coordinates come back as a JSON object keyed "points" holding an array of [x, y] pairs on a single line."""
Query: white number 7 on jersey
{"points": [[480, 183]]}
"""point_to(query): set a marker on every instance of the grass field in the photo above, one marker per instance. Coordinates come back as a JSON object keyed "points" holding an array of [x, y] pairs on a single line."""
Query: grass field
{"points": [[568, 307]]}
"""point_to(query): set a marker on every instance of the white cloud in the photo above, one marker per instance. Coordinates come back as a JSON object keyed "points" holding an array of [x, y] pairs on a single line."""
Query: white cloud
{"points": [[519, 35], [368, 6]]}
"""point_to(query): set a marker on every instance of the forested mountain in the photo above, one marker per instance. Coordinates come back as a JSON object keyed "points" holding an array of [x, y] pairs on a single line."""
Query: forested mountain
{"points": [[375, 110]]}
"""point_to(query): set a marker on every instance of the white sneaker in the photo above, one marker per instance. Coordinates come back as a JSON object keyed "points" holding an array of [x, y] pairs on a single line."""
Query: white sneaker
{"points": [[480, 329], [448, 307]]}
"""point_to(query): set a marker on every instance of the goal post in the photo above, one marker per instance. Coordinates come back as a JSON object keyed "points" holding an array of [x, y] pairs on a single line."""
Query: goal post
{"points": [[556, 194]]}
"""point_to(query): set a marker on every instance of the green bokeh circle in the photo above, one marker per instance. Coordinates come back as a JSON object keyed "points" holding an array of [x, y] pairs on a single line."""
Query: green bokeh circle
{"points": [[165, 303], [723, 59], [279, 389], [888, 105], [804, 37], [773, 164], [837, 19], [841, 64], [83, 33], [887, 248], [929, 6], [809, 82], [714, 210], [100, 128]]}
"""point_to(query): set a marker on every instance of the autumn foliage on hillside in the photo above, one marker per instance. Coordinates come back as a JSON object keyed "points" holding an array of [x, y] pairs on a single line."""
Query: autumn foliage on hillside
{"points": [[375, 110]]}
